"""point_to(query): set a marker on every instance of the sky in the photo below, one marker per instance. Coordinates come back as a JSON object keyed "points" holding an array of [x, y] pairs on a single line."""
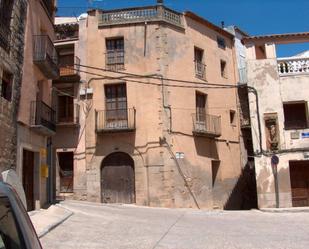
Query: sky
{"points": [[256, 17]]}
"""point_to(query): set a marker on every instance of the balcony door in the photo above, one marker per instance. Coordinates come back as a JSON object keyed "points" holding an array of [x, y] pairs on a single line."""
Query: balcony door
{"points": [[201, 111], [116, 106]]}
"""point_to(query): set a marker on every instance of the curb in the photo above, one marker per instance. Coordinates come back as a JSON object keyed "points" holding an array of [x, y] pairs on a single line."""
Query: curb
{"points": [[55, 224], [284, 210]]}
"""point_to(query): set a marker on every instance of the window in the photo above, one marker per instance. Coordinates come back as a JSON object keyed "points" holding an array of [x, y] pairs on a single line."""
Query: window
{"points": [[6, 7], [65, 109], [223, 68], [295, 115], [221, 42], [116, 106], [115, 54], [260, 52], [7, 85], [199, 65], [232, 117], [9, 237], [200, 107]]}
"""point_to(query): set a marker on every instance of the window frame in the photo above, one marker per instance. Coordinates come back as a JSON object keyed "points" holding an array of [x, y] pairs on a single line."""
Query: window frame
{"points": [[200, 67], [223, 71], [7, 81], [306, 116], [221, 42], [115, 57]]}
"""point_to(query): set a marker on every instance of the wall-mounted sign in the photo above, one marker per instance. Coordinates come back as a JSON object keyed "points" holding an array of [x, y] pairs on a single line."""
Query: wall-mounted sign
{"points": [[305, 134], [180, 155]]}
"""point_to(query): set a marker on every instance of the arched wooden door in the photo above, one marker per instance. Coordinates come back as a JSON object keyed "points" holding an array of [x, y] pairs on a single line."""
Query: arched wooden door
{"points": [[117, 179]]}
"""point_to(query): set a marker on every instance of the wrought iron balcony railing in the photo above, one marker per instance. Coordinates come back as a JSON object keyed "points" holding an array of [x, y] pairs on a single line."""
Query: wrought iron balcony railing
{"points": [[291, 66], [45, 56], [43, 118], [70, 116], [200, 70], [140, 15], [116, 120], [206, 125], [69, 67]]}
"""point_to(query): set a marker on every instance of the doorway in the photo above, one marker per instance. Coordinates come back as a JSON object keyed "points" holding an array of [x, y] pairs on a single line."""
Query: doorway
{"points": [[66, 171], [118, 179], [28, 178], [299, 174]]}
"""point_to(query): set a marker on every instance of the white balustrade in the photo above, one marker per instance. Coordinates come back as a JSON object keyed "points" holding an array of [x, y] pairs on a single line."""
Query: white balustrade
{"points": [[291, 66]]}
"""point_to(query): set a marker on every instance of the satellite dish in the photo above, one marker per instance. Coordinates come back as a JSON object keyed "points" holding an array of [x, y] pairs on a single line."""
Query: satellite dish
{"points": [[10, 177]]}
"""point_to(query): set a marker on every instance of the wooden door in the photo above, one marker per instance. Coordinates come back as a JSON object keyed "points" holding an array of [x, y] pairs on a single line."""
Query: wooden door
{"points": [[117, 179], [28, 178], [299, 173]]}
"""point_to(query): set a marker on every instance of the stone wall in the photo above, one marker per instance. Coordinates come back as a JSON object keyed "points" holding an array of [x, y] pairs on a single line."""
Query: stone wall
{"points": [[11, 60]]}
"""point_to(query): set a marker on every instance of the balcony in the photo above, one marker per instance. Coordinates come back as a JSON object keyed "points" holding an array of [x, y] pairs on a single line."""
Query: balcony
{"points": [[206, 125], [68, 116], [68, 69], [45, 56], [5, 34], [118, 120], [293, 66], [42, 118], [140, 15], [200, 70]]}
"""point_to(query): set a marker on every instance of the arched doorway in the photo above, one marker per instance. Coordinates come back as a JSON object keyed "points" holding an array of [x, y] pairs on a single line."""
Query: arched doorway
{"points": [[117, 179]]}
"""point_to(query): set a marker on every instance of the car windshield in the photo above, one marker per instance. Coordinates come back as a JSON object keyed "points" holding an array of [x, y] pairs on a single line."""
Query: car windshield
{"points": [[9, 238]]}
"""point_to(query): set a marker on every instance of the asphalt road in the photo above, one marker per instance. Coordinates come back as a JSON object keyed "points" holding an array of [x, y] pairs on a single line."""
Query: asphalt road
{"points": [[126, 226]]}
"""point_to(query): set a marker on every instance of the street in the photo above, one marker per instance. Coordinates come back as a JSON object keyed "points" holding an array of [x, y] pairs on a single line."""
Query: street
{"points": [[128, 226]]}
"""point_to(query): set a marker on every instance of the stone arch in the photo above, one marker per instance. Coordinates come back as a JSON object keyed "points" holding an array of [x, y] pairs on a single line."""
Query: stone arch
{"points": [[117, 178]]}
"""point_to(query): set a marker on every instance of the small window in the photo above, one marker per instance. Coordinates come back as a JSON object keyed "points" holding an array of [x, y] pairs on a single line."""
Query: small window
{"points": [[7, 85], [232, 117], [198, 61], [260, 52], [295, 115], [221, 42], [115, 54], [223, 68]]}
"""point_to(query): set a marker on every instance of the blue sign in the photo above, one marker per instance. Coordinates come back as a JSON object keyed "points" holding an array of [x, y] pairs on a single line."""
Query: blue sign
{"points": [[305, 135]]}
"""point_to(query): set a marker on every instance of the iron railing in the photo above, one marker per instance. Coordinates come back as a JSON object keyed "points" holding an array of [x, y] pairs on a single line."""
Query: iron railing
{"points": [[45, 56], [140, 15], [209, 125], [44, 49], [115, 59], [71, 117], [200, 69], [116, 120], [69, 67], [42, 115]]}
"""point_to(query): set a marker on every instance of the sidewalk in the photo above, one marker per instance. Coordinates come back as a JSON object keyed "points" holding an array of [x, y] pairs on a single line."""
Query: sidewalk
{"points": [[45, 220]]}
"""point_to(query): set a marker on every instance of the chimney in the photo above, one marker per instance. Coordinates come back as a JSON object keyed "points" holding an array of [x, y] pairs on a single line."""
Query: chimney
{"points": [[160, 2], [222, 24]]}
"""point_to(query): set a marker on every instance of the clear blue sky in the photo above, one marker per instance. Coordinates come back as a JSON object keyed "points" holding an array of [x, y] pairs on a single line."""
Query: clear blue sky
{"points": [[256, 17]]}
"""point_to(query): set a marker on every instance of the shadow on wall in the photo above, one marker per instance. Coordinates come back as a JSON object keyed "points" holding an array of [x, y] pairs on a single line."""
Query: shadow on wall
{"points": [[206, 147], [244, 194]]}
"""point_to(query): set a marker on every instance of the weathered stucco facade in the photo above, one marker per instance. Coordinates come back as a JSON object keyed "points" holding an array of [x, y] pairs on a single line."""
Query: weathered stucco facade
{"points": [[36, 117], [12, 29], [279, 121], [176, 163]]}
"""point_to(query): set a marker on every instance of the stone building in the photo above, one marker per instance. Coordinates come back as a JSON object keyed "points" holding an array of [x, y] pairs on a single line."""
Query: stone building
{"points": [[278, 99], [158, 121], [12, 29], [36, 116]]}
